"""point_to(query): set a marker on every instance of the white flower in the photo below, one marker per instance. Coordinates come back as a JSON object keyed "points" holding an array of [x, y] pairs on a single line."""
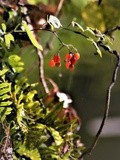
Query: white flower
{"points": [[64, 98], [54, 22]]}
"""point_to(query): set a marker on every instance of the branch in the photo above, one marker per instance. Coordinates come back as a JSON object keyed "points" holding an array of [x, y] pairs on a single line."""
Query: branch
{"points": [[108, 100], [41, 71], [47, 47], [59, 7], [40, 58], [108, 32]]}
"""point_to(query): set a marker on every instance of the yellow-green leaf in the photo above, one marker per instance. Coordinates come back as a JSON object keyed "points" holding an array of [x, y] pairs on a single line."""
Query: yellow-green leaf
{"points": [[98, 50], [3, 27], [8, 38], [33, 154], [2, 72], [31, 36], [57, 138], [77, 25]]}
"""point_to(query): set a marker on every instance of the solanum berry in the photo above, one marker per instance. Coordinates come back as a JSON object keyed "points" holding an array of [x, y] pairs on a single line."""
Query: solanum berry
{"points": [[76, 55], [71, 67], [71, 59], [68, 56], [52, 63], [57, 59], [67, 64]]}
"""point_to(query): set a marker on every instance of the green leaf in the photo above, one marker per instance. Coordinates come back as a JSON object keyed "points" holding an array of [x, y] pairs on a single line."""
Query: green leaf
{"points": [[8, 39], [4, 111], [4, 91], [4, 97], [2, 72], [15, 62], [33, 154], [4, 85], [3, 27], [77, 25], [31, 36], [90, 30], [52, 115], [20, 83], [7, 103], [34, 2], [96, 46], [57, 138], [98, 50]]}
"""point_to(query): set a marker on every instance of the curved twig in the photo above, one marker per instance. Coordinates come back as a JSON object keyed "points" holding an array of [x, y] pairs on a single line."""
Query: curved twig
{"points": [[108, 100]]}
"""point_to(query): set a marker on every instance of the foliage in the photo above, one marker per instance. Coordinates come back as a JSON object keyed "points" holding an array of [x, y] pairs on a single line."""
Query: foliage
{"points": [[36, 132], [33, 129]]}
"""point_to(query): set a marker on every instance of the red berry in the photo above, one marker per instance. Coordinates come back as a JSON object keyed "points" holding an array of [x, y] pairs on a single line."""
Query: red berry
{"points": [[68, 56], [67, 64], [56, 58], [51, 63], [71, 67], [76, 55], [73, 60]]}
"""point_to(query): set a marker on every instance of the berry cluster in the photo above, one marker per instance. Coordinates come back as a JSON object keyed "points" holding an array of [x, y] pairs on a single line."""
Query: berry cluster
{"points": [[55, 61], [71, 59]]}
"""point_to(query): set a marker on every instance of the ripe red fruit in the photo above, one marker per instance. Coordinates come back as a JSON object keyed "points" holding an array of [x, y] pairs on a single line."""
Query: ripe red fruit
{"points": [[71, 67], [67, 64], [51, 63], [57, 59], [76, 55], [68, 56], [73, 60]]}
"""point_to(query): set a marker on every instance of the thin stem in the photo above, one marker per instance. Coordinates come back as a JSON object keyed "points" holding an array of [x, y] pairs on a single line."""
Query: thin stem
{"points": [[107, 106], [74, 31], [59, 7], [112, 29], [41, 61], [41, 71]]}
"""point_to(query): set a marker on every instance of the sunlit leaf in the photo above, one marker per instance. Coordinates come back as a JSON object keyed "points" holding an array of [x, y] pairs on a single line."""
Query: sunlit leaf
{"points": [[78, 25], [4, 111], [15, 62], [3, 27], [96, 46], [2, 72], [4, 91], [57, 138], [4, 97], [6, 103], [8, 39], [33, 154], [5, 84], [33, 2], [89, 29], [31, 36], [98, 50]]}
